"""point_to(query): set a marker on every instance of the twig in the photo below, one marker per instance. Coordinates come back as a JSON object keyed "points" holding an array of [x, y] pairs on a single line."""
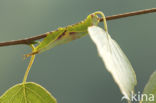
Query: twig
{"points": [[32, 39], [118, 16]]}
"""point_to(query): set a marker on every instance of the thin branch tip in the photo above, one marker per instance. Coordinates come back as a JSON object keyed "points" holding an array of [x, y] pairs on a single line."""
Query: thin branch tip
{"points": [[118, 16]]}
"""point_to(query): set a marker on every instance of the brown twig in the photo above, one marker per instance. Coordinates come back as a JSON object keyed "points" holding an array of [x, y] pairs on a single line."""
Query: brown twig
{"points": [[32, 39]]}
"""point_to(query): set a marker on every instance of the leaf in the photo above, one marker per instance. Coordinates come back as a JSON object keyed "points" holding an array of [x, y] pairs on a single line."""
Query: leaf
{"points": [[27, 93], [115, 60], [150, 90]]}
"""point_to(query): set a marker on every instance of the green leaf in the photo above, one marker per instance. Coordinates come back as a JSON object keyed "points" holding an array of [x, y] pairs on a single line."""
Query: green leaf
{"points": [[27, 93], [150, 90]]}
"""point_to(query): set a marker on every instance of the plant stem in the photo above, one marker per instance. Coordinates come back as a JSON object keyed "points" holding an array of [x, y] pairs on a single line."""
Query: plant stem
{"points": [[32, 39], [29, 66]]}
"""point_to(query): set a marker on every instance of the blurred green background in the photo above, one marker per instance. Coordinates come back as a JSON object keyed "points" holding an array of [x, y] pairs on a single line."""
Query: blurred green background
{"points": [[73, 72]]}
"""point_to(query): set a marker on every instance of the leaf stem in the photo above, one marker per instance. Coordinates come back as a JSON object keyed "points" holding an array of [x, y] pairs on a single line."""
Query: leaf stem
{"points": [[29, 66], [103, 19]]}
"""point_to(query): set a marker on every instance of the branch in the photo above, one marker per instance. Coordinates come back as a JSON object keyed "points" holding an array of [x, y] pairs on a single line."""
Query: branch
{"points": [[32, 39]]}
